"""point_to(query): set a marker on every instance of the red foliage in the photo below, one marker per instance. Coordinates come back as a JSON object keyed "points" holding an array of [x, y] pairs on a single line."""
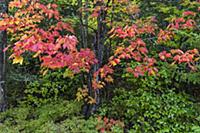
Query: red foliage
{"points": [[54, 49], [105, 124], [178, 56], [135, 51], [188, 13]]}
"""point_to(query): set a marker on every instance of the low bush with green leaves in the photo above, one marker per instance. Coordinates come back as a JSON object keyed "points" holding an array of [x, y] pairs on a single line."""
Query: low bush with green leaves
{"points": [[50, 87], [145, 111], [54, 117], [28, 119]]}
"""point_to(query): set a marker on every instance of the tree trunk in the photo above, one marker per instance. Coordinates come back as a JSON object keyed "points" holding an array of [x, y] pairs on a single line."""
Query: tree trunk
{"points": [[3, 40], [99, 51]]}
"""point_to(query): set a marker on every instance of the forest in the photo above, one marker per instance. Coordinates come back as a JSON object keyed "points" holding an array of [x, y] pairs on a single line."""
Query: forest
{"points": [[99, 66]]}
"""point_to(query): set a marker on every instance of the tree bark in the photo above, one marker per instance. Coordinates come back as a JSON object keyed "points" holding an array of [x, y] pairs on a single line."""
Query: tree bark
{"points": [[3, 41], [100, 47]]}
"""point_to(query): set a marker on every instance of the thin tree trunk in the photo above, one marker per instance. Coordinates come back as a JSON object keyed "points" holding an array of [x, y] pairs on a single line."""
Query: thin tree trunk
{"points": [[100, 47], [84, 22], [3, 41]]}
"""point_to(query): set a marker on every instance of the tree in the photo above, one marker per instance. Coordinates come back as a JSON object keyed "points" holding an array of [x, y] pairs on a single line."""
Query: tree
{"points": [[3, 9], [55, 46]]}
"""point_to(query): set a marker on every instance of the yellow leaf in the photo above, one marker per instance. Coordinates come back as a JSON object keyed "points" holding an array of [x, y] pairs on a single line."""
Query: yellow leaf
{"points": [[36, 55], [196, 59], [17, 22], [119, 50], [18, 59], [45, 72], [11, 22], [79, 97], [111, 31], [24, 37], [113, 63], [113, 35], [91, 100], [100, 85], [68, 73], [109, 79]]}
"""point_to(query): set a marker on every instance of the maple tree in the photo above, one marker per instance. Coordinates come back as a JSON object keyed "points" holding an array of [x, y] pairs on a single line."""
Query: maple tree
{"points": [[137, 49], [58, 50], [56, 45], [92, 48], [54, 49]]}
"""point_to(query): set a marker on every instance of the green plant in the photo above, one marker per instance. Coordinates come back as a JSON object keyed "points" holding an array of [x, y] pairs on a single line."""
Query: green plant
{"points": [[146, 111], [51, 87], [28, 119], [54, 117], [109, 125]]}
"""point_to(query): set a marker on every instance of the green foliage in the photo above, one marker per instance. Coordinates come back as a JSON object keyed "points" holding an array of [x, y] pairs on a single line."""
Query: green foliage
{"points": [[51, 87], [77, 124], [55, 117], [50, 117], [165, 10], [145, 111], [164, 78], [146, 104], [168, 76]]}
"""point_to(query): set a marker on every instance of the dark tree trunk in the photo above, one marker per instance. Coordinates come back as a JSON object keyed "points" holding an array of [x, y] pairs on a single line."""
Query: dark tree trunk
{"points": [[100, 48], [3, 41]]}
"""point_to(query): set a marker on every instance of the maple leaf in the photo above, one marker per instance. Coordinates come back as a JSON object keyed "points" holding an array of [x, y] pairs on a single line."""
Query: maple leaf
{"points": [[143, 50], [119, 50], [109, 79], [113, 63], [68, 73], [18, 59], [37, 54], [91, 100], [187, 13]]}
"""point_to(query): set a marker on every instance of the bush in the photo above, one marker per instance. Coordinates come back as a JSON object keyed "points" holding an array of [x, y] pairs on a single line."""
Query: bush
{"points": [[29, 119], [51, 87], [55, 117], [145, 111]]}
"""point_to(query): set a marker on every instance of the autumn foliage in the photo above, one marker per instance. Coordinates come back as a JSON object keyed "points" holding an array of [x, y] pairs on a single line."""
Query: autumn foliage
{"points": [[56, 46], [54, 49], [125, 60]]}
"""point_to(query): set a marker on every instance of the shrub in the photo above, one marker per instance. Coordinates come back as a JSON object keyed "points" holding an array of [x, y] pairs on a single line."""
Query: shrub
{"points": [[29, 119], [54, 117], [145, 111], [51, 87]]}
